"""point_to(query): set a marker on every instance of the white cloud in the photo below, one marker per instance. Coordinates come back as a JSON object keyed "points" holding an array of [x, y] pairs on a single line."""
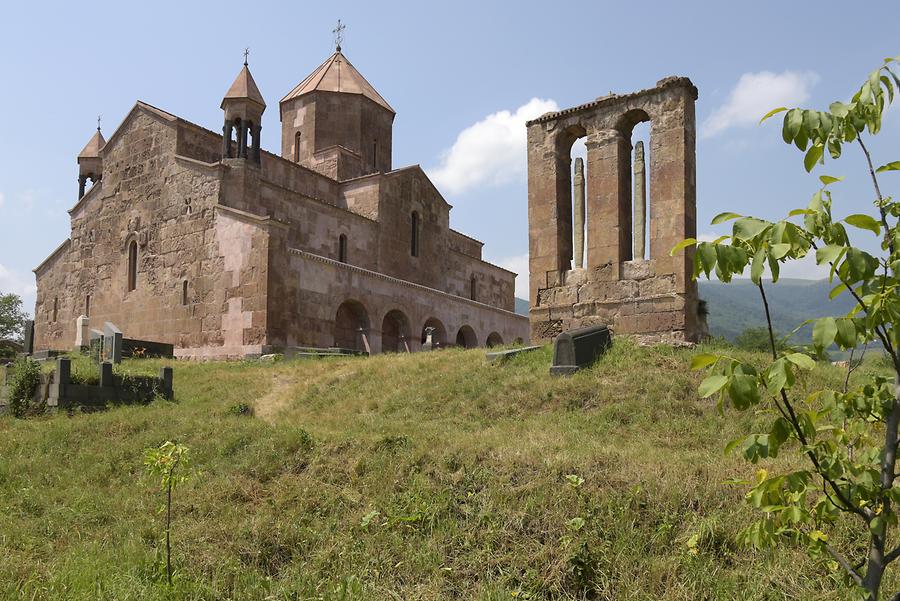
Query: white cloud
{"points": [[755, 94], [1, 200], [24, 286], [490, 152], [519, 265]]}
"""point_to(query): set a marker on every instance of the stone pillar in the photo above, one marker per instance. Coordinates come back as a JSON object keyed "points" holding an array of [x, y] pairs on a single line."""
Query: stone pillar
{"points": [[226, 138], [609, 220], [579, 214], [82, 182], [106, 374], [242, 140], [255, 154], [639, 200], [165, 374]]}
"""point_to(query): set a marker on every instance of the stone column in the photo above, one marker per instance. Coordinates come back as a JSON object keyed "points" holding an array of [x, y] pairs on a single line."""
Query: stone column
{"points": [[82, 182], [579, 214], [255, 155], [242, 140], [609, 220], [82, 332], [639, 200], [226, 138]]}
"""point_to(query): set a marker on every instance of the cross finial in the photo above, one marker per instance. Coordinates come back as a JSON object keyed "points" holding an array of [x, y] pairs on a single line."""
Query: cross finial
{"points": [[246, 54], [98, 122], [338, 35]]}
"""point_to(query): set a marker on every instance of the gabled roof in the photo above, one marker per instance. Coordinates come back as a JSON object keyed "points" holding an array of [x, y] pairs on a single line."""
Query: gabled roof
{"points": [[92, 148], [244, 88], [337, 74]]}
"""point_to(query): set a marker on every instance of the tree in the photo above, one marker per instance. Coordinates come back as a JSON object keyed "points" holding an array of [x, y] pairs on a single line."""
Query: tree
{"points": [[12, 318], [848, 436], [162, 462], [755, 338]]}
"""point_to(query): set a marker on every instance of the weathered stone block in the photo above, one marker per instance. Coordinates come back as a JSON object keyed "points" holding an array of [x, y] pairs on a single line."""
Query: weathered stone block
{"points": [[575, 349]]}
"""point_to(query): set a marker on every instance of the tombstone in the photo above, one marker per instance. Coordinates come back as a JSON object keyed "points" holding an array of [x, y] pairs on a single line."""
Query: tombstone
{"points": [[579, 348], [112, 343], [95, 344], [428, 345], [106, 374], [28, 347], [82, 333]]}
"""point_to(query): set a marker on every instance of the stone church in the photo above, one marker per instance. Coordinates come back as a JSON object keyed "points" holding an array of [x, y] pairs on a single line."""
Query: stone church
{"points": [[206, 241]]}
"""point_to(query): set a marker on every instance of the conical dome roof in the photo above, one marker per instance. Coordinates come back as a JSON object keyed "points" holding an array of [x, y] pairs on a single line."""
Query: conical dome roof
{"points": [[92, 148], [244, 88], [337, 74]]}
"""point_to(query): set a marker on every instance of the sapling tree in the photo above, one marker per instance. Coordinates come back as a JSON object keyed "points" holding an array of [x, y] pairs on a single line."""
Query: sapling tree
{"points": [[168, 462], [848, 436]]}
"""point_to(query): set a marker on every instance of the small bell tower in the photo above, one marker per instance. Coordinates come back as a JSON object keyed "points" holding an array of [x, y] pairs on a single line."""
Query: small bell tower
{"points": [[90, 165], [243, 105]]}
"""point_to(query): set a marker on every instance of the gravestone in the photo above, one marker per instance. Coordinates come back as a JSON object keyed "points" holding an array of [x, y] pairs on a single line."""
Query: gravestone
{"points": [[575, 349], [82, 333], [429, 342], [28, 347], [112, 343]]}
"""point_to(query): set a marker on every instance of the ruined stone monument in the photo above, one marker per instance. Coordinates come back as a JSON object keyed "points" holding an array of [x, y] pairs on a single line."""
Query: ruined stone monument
{"points": [[650, 296]]}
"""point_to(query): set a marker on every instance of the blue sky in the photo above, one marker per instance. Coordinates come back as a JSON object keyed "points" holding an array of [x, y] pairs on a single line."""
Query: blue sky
{"points": [[462, 77]]}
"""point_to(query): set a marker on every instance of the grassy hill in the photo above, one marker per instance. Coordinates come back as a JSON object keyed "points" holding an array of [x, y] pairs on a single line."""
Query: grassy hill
{"points": [[428, 476]]}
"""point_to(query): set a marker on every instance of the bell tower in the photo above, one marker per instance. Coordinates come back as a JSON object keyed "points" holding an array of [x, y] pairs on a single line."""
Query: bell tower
{"points": [[90, 165], [243, 105]]}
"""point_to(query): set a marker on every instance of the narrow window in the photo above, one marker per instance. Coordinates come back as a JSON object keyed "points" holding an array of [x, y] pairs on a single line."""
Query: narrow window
{"points": [[132, 265], [87, 305], [55, 307], [297, 147], [342, 248], [472, 285], [414, 237], [184, 292], [375, 154]]}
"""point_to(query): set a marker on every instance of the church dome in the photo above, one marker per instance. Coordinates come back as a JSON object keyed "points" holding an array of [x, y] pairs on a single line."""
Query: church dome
{"points": [[337, 74]]}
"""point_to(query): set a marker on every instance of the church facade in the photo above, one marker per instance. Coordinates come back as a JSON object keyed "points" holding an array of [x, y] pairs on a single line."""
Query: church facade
{"points": [[203, 240]]}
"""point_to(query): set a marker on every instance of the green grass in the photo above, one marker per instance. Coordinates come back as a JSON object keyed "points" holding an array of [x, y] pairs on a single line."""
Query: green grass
{"points": [[429, 476]]}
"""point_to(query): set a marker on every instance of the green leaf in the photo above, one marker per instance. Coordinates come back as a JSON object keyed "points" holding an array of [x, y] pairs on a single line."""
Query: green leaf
{"points": [[748, 228], [777, 251], [846, 333], [829, 254], [743, 390], [773, 112], [796, 212], [824, 332], [711, 385], [895, 166], [836, 291], [758, 265], [703, 360], [827, 179], [723, 217], [864, 222], [682, 245], [801, 360], [813, 155]]}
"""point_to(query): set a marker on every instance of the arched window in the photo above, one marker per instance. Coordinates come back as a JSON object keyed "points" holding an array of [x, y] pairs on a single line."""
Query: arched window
{"points": [[297, 147], [132, 265], [342, 248], [472, 285], [184, 292], [414, 235], [375, 154], [55, 307], [87, 305]]}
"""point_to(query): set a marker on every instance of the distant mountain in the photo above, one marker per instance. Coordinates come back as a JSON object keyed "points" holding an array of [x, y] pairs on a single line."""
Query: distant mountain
{"points": [[521, 306], [737, 306]]}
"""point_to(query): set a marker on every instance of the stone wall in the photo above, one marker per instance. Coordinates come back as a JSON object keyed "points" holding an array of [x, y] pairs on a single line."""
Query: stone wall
{"points": [[653, 298]]}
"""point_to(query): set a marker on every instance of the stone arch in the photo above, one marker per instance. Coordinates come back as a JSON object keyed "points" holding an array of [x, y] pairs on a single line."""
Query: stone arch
{"points": [[634, 197], [466, 337], [494, 339], [569, 214], [440, 332], [351, 326], [395, 330]]}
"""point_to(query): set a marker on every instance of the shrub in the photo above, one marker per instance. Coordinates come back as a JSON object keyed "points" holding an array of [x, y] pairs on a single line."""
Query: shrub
{"points": [[26, 378]]}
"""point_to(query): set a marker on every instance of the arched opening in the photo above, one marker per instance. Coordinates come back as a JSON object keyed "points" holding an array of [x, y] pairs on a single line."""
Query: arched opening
{"points": [[494, 339], [395, 333], [184, 292], [132, 265], [438, 336], [473, 284], [297, 147], [87, 305], [375, 154], [414, 235], [342, 248], [635, 126], [351, 327], [572, 185], [466, 338]]}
